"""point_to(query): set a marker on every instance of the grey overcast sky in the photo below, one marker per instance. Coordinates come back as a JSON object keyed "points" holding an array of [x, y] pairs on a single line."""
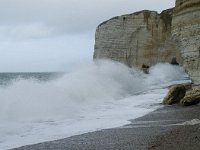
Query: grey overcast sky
{"points": [[50, 35]]}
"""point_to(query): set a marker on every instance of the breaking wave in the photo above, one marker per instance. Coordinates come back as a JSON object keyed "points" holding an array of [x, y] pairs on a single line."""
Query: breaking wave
{"points": [[95, 90]]}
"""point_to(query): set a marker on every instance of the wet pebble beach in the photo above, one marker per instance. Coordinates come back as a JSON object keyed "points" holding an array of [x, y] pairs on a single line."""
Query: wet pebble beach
{"points": [[171, 127]]}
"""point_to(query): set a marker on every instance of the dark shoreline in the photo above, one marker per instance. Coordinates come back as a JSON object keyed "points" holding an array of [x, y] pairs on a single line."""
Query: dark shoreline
{"points": [[162, 129]]}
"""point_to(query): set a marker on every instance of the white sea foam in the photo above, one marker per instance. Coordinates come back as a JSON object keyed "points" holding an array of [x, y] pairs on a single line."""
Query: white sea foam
{"points": [[191, 122], [90, 97]]}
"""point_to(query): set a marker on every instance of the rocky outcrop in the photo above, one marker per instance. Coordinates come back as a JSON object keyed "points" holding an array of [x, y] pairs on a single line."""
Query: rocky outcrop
{"points": [[188, 86], [186, 34], [191, 98], [175, 94], [183, 94], [141, 38], [146, 37]]}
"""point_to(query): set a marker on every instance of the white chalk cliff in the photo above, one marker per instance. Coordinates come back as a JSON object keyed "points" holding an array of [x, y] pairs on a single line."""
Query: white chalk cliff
{"points": [[147, 37]]}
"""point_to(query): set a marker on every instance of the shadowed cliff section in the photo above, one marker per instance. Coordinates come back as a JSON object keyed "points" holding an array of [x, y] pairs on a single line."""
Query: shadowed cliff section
{"points": [[186, 33], [186, 5], [147, 37]]}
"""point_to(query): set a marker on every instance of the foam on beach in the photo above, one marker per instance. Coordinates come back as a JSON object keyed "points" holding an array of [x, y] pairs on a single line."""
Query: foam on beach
{"points": [[90, 97]]}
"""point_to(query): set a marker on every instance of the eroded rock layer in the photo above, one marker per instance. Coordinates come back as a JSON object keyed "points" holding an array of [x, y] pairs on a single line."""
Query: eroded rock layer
{"points": [[186, 33], [136, 39]]}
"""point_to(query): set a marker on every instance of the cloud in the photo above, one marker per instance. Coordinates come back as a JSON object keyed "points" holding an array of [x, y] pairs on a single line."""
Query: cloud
{"points": [[71, 16], [49, 35], [45, 54], [25, 31]]}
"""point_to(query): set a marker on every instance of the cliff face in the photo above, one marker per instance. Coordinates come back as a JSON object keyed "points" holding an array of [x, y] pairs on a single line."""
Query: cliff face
{"points": [[136, 39], [186, 33], [147, 37]]}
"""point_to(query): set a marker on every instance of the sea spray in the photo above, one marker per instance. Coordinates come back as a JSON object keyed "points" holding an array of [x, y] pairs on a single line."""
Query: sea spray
{"points": [[102, 94], [161, 74]]}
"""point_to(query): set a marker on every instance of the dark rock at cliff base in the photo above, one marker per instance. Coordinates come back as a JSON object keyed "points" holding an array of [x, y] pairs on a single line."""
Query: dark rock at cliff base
{"points": [[175, 94], [174, 62], [145, 68], [191, 98]]}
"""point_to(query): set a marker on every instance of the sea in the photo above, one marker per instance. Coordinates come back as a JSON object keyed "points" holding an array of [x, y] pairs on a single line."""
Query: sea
{"points": [[43, 106]]}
